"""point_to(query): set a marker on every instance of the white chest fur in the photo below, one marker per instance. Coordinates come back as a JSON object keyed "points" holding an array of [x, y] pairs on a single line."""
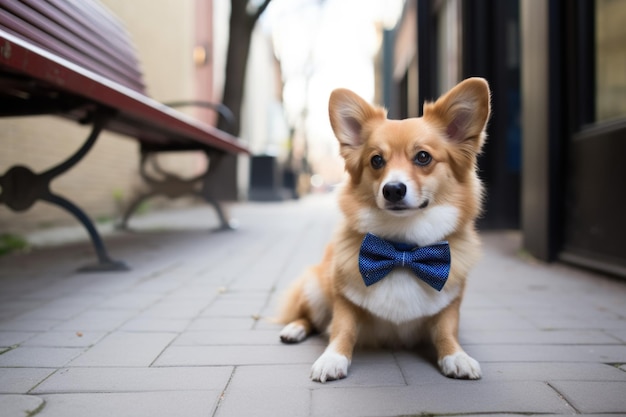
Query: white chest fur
{"points": [[401, 297]]}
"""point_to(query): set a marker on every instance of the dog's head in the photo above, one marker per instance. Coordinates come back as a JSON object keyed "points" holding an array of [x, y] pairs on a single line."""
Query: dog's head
{"points": [[404, 167]]}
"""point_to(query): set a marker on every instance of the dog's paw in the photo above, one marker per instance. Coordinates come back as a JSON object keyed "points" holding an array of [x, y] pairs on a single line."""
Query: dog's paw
{"points": [[460, 365], [293, 333], [330, 366]]}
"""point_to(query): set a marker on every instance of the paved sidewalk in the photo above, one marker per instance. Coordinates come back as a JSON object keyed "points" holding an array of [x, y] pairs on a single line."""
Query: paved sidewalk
{"points": [[185, 333]]}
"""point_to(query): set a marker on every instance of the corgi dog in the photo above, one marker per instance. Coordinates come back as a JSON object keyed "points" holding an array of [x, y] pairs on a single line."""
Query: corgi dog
{"points": [[412, 189]]}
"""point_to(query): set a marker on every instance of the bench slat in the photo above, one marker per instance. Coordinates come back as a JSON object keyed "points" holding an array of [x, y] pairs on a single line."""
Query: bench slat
{"points": [[31, 24], [89, 42], [138, 116]]}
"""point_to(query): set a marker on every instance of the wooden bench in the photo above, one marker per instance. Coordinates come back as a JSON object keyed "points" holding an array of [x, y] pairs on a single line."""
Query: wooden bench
{"points": [[75, 60]]}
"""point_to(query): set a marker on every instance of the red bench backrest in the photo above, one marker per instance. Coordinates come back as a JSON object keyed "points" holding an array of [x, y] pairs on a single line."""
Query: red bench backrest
{"points": [[83, 32]]}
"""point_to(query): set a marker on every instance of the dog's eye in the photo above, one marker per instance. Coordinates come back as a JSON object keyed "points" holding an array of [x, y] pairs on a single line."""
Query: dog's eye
{"points": [[423, 158], [377, 162]]}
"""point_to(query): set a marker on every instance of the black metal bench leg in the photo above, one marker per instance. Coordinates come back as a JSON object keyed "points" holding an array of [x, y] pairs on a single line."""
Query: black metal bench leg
{"points": [[20, 188], [105, 263], [225, 223], [123, 224], [172, 186]]}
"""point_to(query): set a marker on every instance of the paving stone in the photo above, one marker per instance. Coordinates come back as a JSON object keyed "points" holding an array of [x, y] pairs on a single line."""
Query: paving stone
{"points": [[263, 401], [237, 355], [97, 320], [125, 349], [474, 397], [620, 334], [136, 379], [129, 301], [594, 396], [54, 312], [185, 308], [496, 319], [154, 324], [39, 357], [548, 353], [28, 325], [222, 323], [367, 370], [65, 339], [418, 371], [8, 339], [136, 404], [19, 405], [21, 380], [536, 337], [228, 337], [236, 305]]}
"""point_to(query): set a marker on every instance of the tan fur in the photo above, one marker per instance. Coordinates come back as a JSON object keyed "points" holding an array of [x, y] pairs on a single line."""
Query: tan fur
{"points": [[442, 202]]}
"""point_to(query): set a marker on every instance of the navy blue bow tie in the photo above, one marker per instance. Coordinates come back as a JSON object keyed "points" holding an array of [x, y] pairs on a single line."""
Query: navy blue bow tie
{"points": [[378, 257]]}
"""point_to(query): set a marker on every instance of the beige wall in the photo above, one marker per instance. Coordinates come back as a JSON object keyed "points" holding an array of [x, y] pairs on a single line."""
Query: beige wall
{"points": [[163, 32]]}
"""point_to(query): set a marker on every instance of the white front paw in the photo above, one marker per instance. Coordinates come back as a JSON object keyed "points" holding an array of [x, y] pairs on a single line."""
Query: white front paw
{"points": [[460, 365], [330, 366]]}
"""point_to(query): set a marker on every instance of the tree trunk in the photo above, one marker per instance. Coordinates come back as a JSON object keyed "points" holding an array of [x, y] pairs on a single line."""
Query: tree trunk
{"points": [[240, 34]]}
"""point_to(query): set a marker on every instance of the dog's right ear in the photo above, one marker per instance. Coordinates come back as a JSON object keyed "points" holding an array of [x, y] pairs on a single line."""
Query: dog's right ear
{"points": [[352, 118]]}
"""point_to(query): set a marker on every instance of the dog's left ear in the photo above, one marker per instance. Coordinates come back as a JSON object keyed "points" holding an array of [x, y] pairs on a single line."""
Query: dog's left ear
{"points": [[463, 111]]}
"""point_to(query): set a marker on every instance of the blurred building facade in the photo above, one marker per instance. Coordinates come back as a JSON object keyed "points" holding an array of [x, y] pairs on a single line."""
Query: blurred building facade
{"points": [[557, 70]]}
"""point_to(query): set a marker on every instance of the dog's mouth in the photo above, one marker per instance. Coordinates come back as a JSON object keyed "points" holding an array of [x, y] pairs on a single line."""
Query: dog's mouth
{"points": [[399, 207]]}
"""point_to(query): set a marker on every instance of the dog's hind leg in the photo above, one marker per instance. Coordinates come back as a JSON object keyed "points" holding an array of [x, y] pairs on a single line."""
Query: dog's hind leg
{"points": [[298, 310], [296, 331]]}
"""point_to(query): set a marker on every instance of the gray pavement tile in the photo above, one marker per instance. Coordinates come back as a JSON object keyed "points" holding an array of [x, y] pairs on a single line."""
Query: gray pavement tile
{"points": [[13, 306], [154, 324], [222, 323], [54, 311], [551, 371], [65, 339], [233, 304], [594, 396], [493, 319], [178, 308], [238, 355], [548, 353], [13, 405], [97, 320], [620, 334], [28, 325], [129, 301], [227, 337], [265, 402], [21, 380], [136, 404], [125, 349], [250, 377], [85, 380], [536, 337], [371, 369], [10, 338], [557, 323], [473, 397], [38, 357], [417, 371]]}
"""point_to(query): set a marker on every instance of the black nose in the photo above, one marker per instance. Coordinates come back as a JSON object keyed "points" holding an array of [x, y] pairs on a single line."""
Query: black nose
{"points": [[394, 191]]}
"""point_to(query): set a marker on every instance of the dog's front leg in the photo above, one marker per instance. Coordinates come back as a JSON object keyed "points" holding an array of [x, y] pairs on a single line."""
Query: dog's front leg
{"points": [[452, 359], [334, 362]]}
